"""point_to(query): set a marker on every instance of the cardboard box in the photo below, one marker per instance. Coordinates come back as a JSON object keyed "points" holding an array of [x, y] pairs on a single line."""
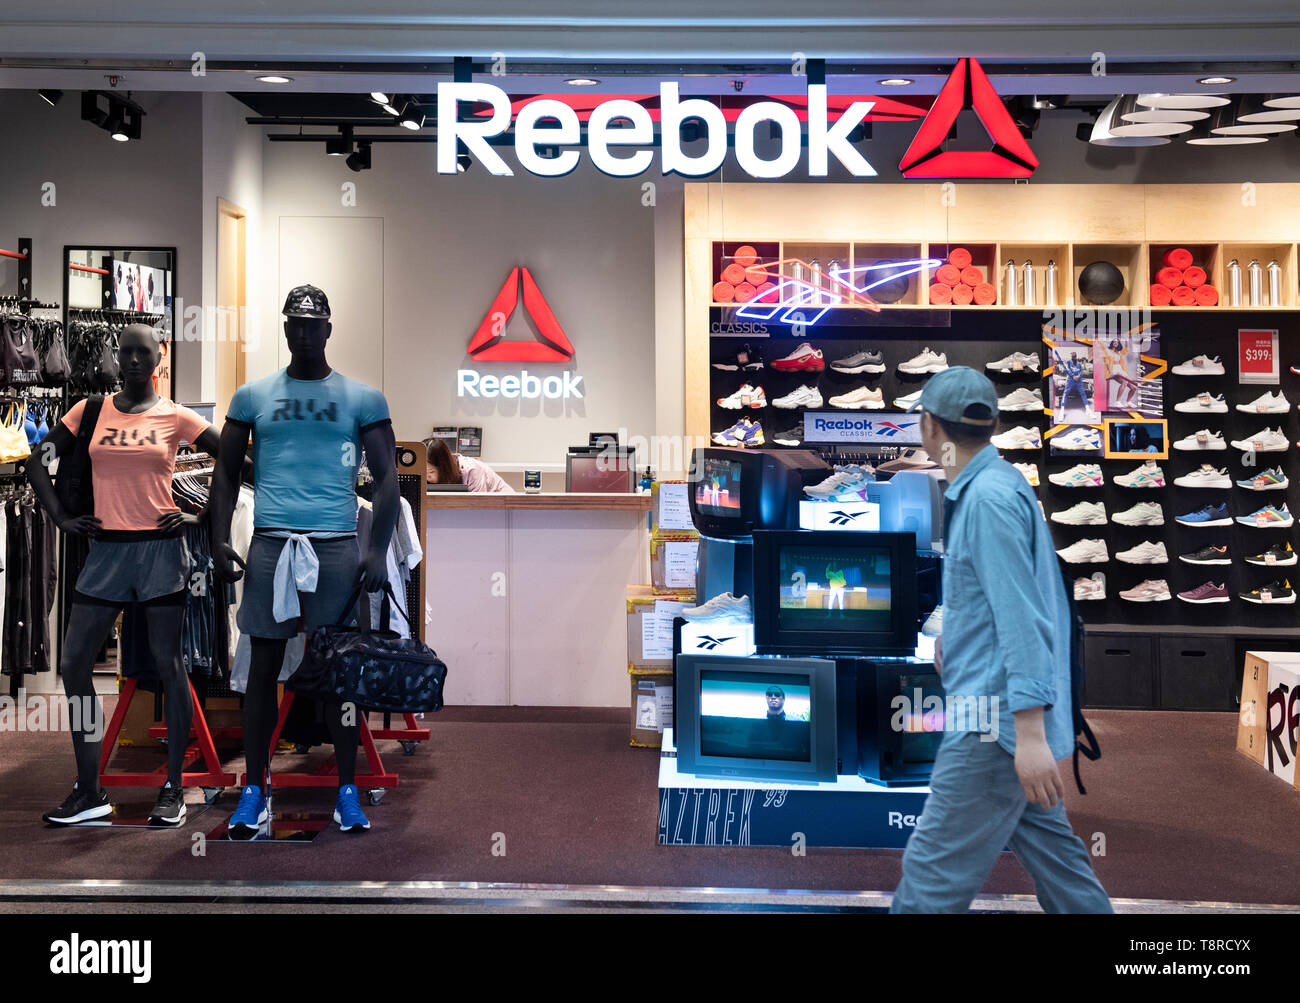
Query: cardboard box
{"points": [[652, 706], [1269, 676], [670, 507], [672, 560], [649, 625]]}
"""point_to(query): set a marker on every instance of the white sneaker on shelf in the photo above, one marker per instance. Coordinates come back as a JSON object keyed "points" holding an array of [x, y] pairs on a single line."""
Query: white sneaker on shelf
{"points": [[1202, 365], [1267, 403], [1266, 440], [1022, 399], [1148, 475], [863, 398], [1078, 439], [746, 396], [1014, 363], [1146, 552], [1203, 403], [1030, 470], [1141, 514], [804, 396], [843, 485], [933, 625], [926, 362], [725, 608], [1205, 476], [1082, 514], [1081, 475], [1019, 437], [1085, 552], [1204, 439], [907, 402]]}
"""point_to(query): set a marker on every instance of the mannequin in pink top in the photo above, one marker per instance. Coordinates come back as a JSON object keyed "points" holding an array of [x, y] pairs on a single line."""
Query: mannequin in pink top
{"points": [[446, 467]]}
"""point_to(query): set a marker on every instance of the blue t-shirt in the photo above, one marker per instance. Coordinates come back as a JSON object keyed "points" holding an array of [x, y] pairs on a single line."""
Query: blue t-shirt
{"points": [[306, 447]]}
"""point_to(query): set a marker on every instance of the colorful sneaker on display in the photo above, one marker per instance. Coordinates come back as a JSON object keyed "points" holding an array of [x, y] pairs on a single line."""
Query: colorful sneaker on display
{"points": [[169, 809], [347, 810], [1277, 591], [1016, 362], [1030, 470], [926, 362], [803, 396], [1085, 552], [1207, 593], [1082, 514], [1207, 515], [1267, 403], [1203, 403], [909, 459], [1205, 476], [1078, 440], [1266, 440], [1269, 480], [733, 436], [1019, 437], [746, 358], [1148, 591], [1202, 365], [725, 608], [846, 484], [908, 401], [1147, 552], [804, 359], [1087, 589], [1022, 399], [1081, 475], [1207, 555], [1141, 514], [80, 806], [1268, 517], [1204, 439], [746, 396], [863, 398], [1148, 475], [1279, 554], [250, 814], [753, 434], [861, 362]]}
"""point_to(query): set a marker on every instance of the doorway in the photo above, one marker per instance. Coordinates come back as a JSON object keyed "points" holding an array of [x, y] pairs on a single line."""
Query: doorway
{"points": [[232, 303]]}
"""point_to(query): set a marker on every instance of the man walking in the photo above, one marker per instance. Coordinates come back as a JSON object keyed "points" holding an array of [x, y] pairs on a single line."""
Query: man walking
{"points": [[1005, 644]]}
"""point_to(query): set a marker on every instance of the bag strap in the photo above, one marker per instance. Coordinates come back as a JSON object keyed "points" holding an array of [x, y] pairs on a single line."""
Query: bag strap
{"points": [[356, 594]]}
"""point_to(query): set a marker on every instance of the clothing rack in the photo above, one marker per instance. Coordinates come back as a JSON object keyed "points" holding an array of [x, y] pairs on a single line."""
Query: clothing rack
{"points": [[24, 256], [113, 316]]}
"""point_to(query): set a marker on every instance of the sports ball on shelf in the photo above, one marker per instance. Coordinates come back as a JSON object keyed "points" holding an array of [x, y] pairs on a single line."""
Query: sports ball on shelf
{"points": [[1101, 282]]}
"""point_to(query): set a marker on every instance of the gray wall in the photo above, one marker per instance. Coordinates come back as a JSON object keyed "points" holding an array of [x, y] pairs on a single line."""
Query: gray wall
{"points": [[124, 195]]}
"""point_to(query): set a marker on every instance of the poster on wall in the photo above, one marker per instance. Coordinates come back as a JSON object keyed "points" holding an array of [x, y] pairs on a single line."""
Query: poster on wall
{"points": [[1257, 359]]}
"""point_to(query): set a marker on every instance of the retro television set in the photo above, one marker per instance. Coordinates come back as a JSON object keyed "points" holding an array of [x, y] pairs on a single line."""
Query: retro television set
{"points": [[727, 724], [899, 739], [600, 469], [835, 593], [735, 491]]}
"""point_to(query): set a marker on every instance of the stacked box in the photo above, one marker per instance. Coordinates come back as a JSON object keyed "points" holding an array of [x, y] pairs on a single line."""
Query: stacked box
{"points": [[672, 560], [649, 625], [652, 706], [670, 509]]}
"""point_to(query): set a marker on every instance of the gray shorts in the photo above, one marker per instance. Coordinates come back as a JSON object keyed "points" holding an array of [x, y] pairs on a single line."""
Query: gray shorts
{"points": [[121, 569], [340, 570]]}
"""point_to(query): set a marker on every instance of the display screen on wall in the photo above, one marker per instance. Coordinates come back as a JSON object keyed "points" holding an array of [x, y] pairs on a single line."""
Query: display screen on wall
{"points": [[138, 287]]}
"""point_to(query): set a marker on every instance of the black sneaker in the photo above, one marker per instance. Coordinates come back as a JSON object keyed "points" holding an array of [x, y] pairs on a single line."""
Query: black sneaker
{"points": [[170, 806], [1279, 592], [746, 358], [790, 437], [1207, 555], [1279, 553], [80, 806], [861, 362]]}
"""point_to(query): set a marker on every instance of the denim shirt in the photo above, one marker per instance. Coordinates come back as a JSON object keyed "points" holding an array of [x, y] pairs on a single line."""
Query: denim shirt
{"points": [[1006, 619]]}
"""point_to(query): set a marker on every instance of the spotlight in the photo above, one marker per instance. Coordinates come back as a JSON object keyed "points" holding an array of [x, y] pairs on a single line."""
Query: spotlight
{"points": [[582, 82], [360, 159], [379, 97], [392, 103], [1215, 81], [412, 117], [273, 78], [50, 97], [340, 145], [895, 82], [462, 158]]}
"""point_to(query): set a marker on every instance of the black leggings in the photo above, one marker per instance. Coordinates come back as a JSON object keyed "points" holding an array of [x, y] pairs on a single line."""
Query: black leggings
{"points": [[261, 712], [88, 628]]}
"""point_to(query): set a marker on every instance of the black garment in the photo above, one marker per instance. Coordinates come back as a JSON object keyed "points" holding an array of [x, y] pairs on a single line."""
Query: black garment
{"points": [[17, 643], [43, 582]]}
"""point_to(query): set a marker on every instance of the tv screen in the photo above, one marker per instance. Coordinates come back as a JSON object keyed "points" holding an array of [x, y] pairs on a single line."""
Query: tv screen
{"points": [[830, 588], [600, 471], [717, 492], [752, 716]]}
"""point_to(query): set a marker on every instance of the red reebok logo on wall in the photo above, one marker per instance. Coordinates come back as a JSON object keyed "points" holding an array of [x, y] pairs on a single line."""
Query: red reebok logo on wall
{"points": [[553, 344], [968, 87]]}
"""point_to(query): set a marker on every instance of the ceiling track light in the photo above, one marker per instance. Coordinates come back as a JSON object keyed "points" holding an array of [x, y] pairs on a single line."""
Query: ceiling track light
{"points": [[340, 145], [1216, 81], [1122, 126], [1198, 102], [462, 157], [120, 117], [412, 116], [50, 97], [273, 78], [1257, 108], [1100, 134], [359, 159], [1227, 122]]}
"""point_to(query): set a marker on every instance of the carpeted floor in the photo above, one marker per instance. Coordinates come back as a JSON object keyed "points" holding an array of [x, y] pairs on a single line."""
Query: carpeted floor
{"points": [[1185, 817]]}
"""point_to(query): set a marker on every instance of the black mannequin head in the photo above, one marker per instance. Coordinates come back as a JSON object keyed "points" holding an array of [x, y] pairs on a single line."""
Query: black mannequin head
{"points": [[306, 337], [138, 355]]}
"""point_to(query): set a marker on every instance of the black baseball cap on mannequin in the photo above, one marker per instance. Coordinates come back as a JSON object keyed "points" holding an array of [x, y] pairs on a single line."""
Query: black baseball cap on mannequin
{"points": [[306, 301]]}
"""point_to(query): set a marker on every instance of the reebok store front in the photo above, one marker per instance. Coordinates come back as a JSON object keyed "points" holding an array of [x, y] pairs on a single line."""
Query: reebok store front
{"points": [[646, 339]]}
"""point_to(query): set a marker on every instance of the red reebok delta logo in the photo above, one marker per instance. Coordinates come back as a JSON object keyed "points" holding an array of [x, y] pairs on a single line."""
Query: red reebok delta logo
{"points": [[488, 345], [968, 86]]}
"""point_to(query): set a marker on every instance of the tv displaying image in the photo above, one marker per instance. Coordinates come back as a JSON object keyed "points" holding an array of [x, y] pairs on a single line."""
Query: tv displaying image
{"points": [[717, 491], [835, 588], [752, 715]]}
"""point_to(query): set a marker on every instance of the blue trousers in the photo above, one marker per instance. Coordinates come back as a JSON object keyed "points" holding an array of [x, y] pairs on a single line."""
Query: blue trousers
{"points": [[975, 808]]}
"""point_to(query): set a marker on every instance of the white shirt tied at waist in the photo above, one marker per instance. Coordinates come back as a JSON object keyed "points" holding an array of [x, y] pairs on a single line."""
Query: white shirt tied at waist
{"points": [[297, 570]]}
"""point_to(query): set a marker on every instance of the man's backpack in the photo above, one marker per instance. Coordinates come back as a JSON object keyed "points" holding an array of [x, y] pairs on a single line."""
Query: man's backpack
{"points": [[1085, 741]]}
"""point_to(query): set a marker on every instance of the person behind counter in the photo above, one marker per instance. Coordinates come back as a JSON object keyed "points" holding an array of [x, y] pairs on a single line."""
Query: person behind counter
{"points": [[446, 467]]}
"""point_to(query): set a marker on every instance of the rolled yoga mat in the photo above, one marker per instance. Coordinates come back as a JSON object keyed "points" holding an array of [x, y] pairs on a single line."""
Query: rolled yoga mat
{"points": [[1185, 296], [1161, 295], [1177, 257], [723, 292], [959, 257], [986, 294], [1169, 276], [941, 293]]}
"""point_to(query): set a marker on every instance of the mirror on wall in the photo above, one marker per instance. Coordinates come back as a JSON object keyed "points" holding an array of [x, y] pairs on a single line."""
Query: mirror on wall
{"points": [[107, 288]]}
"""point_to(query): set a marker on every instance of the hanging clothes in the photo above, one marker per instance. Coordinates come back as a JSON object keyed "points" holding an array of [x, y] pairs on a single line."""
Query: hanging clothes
{"points": [[404, 556]]}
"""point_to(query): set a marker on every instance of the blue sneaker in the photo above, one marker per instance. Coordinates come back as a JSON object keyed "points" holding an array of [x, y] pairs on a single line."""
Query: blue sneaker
{"points": [[251, 814], [347, 810], [1210, 515], [753, 434]]}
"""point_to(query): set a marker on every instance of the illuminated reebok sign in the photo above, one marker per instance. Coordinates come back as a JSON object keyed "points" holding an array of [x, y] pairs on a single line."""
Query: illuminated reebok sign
{"points": [[552, 123], [489, 345], [831, 427]]}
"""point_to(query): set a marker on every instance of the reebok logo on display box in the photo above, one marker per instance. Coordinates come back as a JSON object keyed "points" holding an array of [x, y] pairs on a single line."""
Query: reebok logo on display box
{"points": [[489, 345], [832, 427]]}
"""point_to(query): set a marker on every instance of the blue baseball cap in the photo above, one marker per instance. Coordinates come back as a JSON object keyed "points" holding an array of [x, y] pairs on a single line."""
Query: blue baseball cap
{"points": [[960, 394]]}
